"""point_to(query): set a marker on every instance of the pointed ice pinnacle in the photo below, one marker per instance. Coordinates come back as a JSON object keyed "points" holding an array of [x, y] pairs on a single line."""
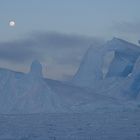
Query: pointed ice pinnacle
{"points": [[36, 69]]}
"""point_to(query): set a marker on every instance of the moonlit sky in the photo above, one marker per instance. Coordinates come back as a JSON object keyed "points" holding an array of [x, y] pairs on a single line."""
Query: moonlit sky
{"points": [[58, 32]]}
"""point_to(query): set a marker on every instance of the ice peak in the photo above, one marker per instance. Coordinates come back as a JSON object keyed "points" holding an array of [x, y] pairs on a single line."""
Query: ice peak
{"points": [[121, 41], [36, 68], [121, 45], [116, 40]]}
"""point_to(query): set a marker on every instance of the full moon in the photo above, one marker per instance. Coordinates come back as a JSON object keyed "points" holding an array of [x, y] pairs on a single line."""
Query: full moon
{"points": [[12, 23]]}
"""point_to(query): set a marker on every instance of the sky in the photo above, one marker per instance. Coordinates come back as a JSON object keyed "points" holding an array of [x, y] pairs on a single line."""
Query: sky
{"points": [[58, 32]]}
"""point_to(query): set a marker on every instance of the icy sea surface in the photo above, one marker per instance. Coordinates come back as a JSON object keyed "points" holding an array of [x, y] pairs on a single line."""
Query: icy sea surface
{"points": [[98, 125]]}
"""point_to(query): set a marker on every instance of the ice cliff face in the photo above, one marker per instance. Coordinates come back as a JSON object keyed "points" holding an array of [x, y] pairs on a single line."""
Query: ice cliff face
{"points": [[125, 57], [134, 88], [91, 68]]}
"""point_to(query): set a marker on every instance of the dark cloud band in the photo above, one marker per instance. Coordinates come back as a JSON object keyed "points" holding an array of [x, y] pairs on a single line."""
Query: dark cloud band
{"points": [[57, 50]]}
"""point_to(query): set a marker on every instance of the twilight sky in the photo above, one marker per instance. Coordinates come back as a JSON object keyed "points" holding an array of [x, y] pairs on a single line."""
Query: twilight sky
{"points": [[58, 32]]}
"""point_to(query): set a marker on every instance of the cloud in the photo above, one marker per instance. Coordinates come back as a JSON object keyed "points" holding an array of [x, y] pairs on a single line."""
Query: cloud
{"points": [[59, 40], [128, 27], [14, 52], [53, 48]]}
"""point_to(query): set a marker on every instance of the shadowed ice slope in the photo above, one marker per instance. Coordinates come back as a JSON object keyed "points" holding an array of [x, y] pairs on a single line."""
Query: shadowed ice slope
{"points": [[31, 93]]}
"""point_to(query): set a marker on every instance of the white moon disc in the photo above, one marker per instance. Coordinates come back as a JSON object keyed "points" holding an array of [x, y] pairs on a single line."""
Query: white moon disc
{"points": [[12, 23]]}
